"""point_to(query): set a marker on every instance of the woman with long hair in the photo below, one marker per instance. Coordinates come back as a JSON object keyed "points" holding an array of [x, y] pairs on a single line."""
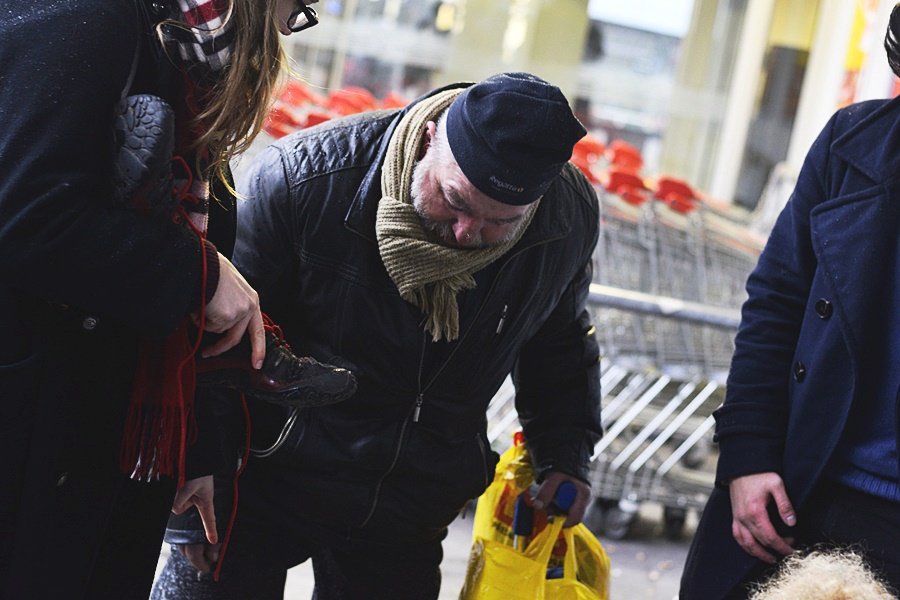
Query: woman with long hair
{"points": [[104, 297]]}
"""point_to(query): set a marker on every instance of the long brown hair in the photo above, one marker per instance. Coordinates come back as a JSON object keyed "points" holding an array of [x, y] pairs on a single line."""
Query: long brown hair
{"points": [[235, 108]]}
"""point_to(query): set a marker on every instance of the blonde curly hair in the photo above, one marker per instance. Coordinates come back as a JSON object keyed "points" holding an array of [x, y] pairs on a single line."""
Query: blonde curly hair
{"points": [[823, 575]]}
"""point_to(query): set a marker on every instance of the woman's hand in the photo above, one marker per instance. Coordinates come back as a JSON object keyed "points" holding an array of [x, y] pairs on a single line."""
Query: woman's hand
{"points": [[198, 492], [234, 310]]}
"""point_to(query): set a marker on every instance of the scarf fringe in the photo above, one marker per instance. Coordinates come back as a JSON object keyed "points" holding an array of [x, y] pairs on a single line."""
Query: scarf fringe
{"points": [[438, 302], [160, 421]]}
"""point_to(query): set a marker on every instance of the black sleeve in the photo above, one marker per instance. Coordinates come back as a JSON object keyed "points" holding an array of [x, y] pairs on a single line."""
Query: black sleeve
{"points": [[557, 375], [187, 528], [62, 69], [218, 448]]}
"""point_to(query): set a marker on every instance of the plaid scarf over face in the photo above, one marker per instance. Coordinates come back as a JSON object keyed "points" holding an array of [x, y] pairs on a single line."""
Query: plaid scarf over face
{"points": [[206, 36]]}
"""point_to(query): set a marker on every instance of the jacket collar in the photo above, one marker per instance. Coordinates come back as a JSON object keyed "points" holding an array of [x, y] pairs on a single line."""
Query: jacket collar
{"points": [[872, 145], [548, 224]]}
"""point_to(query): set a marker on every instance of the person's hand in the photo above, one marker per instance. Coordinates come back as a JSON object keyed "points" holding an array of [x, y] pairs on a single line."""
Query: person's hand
{"points": [[202, 556], [198, 492], [234, 310], [751, 526], [547, 490]]}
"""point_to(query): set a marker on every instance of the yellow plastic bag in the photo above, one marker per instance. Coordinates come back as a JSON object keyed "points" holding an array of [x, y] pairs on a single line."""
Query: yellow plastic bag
{"points": [[496, 506], [585, 568], [499, 571]]}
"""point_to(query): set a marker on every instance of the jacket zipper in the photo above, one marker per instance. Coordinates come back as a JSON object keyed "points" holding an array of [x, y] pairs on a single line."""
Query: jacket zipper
{"points": [[420, 397], [415, 418], [418, 408], [502, 319]]}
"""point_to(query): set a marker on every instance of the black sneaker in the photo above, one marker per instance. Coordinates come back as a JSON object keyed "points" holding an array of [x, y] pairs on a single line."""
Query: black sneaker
{"points": [[284, 378]]}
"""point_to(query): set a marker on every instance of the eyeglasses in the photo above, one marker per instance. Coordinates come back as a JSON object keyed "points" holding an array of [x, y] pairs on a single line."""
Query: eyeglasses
{"points": [[303, 17]]}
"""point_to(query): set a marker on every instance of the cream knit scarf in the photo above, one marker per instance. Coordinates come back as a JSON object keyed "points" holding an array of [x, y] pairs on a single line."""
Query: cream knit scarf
{"points": [[427, 274]]}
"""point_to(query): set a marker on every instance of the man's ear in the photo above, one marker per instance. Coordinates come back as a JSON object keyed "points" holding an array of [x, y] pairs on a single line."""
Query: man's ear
{"points": [[427, 138]]}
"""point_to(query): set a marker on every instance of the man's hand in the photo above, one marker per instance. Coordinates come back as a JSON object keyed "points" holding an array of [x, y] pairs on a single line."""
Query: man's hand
{"points": [[234, 310], [198, 492], [751, 527], [202, 556], [547, 490]]}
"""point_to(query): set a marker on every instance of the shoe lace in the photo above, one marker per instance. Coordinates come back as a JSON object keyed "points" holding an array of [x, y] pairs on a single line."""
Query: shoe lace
{"points": [[275, 329]]}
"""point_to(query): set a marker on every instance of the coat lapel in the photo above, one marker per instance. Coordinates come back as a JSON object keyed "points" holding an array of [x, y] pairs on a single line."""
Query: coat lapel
{"points": [[855, 241], [855, 233], [872, 146]]}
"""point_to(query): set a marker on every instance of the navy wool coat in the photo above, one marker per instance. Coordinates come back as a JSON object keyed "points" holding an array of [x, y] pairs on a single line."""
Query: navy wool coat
{"points": [[816, 301], [82, 280]]}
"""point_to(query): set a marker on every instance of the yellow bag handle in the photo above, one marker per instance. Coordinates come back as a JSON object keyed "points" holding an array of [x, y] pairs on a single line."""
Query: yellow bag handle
{"points": [[570, 570], [541, 547], [570, 562]]}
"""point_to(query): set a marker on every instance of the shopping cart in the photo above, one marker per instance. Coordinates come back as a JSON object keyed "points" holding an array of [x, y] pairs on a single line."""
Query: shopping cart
{"points": [[655, 449], [669, 335]]}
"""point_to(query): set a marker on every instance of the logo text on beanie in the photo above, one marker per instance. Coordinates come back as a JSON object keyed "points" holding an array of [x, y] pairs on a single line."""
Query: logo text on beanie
{"points": [[505, 186]]}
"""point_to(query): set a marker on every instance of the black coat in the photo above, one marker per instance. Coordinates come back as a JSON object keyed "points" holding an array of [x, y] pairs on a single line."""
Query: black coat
{"points": [[816, 304], [81, 281], [306, 241]]}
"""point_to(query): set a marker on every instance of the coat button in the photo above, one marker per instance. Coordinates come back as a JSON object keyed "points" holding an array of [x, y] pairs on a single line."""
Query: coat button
{"points": [[799, 371], [824, 308], [89, 323], [158, 8], [61, 479]]}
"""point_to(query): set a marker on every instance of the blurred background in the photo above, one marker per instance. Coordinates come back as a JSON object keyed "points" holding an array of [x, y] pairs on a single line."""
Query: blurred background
{"points": [[716, 92], [699, 113]]}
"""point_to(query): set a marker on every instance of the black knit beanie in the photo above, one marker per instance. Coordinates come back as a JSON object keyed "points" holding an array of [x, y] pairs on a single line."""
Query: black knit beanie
{"points": [[511, 135]]}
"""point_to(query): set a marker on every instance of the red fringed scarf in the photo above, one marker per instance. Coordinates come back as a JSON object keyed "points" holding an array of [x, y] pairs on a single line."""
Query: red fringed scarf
{"points": [[160, 422]]}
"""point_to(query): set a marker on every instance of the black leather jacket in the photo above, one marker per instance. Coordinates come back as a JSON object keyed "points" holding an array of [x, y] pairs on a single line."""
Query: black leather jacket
{"points": [[412, 441]]}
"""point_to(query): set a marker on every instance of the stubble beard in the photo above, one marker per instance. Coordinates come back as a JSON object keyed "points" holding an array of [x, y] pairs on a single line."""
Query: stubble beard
{"points": [[441, 232]]}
